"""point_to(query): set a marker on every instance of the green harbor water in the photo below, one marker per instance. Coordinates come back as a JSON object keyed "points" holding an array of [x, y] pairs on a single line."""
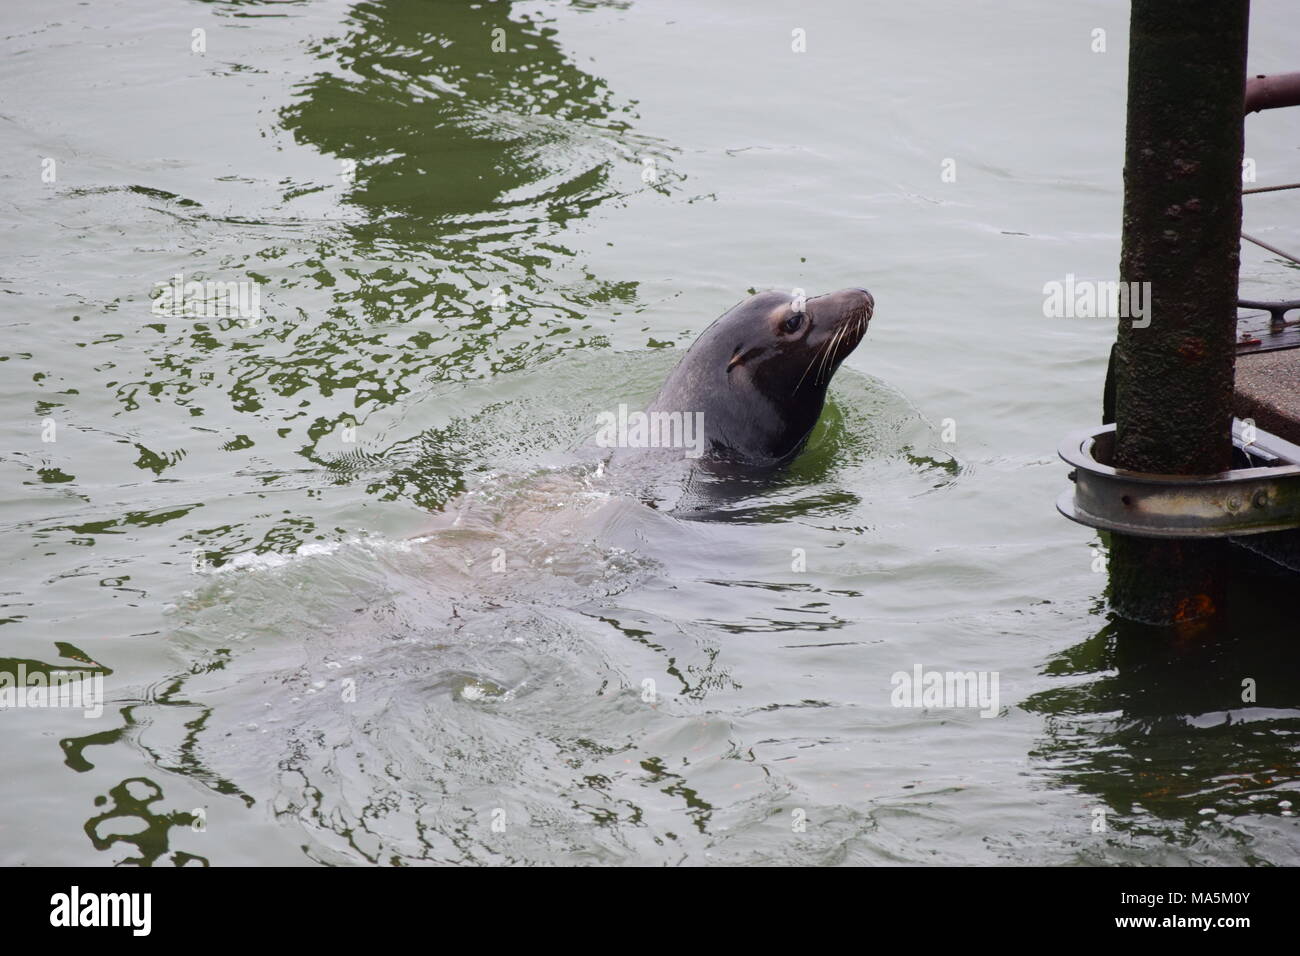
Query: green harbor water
{"points": [[470, 228]]}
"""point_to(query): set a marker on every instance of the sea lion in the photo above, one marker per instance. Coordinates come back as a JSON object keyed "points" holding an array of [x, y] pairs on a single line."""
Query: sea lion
{"points": [[739, 404], [750, 389]]}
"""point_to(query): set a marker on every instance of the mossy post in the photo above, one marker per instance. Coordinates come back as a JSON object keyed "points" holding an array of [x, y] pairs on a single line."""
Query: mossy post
{"points": [[1182, 225]]}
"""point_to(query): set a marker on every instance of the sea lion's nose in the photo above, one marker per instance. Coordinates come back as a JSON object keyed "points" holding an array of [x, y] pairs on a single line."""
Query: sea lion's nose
{"points": [[853, 299], [871, 299]]}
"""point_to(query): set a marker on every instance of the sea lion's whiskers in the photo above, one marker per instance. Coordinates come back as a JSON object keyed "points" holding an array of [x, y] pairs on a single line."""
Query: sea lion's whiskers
{"points": [[859, 324], [821, 357], [832, 350], [806, 370], [827, 355], [805, 374]]}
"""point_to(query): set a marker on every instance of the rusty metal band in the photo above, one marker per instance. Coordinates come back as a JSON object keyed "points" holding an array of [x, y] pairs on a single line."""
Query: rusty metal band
{"points": [[1241, 501]]}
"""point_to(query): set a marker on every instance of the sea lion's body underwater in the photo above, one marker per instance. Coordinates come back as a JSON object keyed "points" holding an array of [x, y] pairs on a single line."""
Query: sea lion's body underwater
{"points": [[750, 389]]}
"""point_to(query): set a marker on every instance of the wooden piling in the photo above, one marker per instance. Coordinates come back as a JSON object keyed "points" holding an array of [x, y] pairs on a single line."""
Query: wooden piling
{"points": [[1173, 378]]}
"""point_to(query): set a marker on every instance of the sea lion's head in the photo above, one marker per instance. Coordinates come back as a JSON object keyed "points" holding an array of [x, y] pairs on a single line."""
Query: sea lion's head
{"points": [[759, 373]]}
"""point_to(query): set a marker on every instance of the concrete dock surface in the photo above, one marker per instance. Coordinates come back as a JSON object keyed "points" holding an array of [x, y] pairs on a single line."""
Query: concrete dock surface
{"points": [[1268, 390]]}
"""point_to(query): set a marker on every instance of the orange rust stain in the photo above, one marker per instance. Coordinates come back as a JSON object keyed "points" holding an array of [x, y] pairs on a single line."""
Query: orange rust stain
{"points": [[1192, 350], [1194, 607]]}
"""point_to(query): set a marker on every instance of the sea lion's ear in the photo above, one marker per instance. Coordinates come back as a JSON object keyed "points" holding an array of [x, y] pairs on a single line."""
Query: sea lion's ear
{"points": [[739, 358]]}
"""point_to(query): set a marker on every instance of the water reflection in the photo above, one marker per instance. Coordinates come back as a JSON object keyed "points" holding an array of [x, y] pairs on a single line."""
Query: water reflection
{"points": [[464, 117], [369, 713], [1176, 731], [461, 171], [132, 820], [476, 143]]}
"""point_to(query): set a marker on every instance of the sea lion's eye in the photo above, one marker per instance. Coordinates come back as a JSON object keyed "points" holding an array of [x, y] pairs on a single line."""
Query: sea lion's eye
{"points": [[793, 322]]}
